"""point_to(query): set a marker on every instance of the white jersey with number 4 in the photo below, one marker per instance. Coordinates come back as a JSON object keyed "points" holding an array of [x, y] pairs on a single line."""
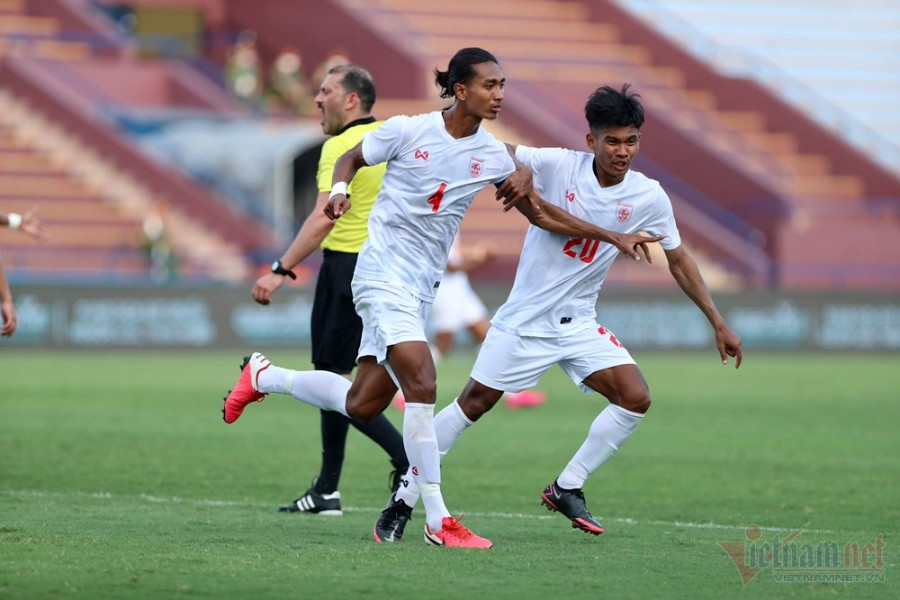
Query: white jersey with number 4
{"points": [[430, 182], [559, 277]]}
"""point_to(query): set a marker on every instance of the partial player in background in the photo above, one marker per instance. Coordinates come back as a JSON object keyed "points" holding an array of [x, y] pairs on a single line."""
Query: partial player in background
{"points": [[456, 305], [7, 307], [550, 316], [345, 98], [29, 224], [458, 308]]}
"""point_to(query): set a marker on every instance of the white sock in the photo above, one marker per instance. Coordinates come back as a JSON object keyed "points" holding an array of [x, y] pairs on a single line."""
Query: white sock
{"points": [[612, 427], [408, 490], [322, 389], [424, 460], [449, 424]]}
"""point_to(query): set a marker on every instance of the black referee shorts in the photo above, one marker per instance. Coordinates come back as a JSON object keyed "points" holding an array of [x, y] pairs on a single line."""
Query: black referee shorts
{"points": [[336, 328]]}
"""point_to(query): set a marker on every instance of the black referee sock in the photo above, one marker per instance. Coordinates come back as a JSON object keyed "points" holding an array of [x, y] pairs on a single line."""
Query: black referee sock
{"points": [[382, 432], [334, 427]]}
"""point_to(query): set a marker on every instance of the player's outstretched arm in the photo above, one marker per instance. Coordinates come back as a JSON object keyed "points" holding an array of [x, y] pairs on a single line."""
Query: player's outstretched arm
{"points": [[345, 169], [556, 220], [315, 228], [28, 223], [685, 271]]}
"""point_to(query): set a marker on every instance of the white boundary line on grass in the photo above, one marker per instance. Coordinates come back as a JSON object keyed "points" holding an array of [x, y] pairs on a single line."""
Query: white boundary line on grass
{"points": [[502, 515]]}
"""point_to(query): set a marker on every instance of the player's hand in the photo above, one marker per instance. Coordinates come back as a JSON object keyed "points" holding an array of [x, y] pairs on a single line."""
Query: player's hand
{"points": [[480, 254], [33, 226], [516, 188], [729, 344], [630, 243], [265, 286], [337, 206]]}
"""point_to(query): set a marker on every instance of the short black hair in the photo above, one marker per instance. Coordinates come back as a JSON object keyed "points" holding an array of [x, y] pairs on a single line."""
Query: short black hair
{"points": [[609, 107], [357, 80], [460, 69]]}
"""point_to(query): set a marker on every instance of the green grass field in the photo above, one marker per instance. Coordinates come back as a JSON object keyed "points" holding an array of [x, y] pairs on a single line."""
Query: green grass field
{"points": [[118, 479]]}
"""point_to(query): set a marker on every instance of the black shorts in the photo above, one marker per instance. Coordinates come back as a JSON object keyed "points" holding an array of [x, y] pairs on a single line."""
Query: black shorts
{"points": [[336, 328]]}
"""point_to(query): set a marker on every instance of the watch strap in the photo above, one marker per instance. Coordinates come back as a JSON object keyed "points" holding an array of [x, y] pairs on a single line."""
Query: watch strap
{"points": [[279, 269]]}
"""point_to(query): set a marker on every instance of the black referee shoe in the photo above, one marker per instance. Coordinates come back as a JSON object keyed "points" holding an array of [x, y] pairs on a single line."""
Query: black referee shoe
{"points": [[315, 503]]}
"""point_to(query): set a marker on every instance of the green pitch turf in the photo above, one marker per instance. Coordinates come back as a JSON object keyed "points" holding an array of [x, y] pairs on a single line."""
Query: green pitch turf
{"points": [[118, 479]]}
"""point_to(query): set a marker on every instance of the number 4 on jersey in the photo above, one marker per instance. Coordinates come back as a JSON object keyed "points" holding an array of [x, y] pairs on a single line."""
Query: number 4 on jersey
{"points": [[435, 199]]}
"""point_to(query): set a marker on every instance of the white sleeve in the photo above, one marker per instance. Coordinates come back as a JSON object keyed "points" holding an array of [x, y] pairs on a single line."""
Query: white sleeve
{"points": [[509, 167], [384, 143], [543, 162], [662, 221]]}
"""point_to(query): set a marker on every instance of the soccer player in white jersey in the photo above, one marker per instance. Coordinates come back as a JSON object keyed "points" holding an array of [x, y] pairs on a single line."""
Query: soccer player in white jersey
{"points": [[550, 315], [436, 163]]}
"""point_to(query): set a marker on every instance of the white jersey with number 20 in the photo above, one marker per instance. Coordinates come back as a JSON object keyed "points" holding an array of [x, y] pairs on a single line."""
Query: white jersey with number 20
{"points": [[430, 182], [558, 279]]}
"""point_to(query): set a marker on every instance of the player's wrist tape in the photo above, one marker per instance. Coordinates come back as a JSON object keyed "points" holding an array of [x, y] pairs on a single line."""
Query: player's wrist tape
{"points": [[14, 220], [339, 188]]}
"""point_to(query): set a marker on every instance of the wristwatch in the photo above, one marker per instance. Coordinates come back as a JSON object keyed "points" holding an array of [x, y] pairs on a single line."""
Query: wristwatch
{"points": [[279, 269]]}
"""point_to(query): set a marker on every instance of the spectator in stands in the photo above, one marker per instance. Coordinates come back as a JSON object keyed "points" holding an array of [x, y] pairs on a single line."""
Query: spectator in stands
{"points": [[288, 82], [244, 71], [31, 225], [345, 98], [335, 58], [157, 244]]}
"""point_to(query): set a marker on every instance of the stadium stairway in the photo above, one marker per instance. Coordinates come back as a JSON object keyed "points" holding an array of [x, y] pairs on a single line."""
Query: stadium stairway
{"points": [[62, 151], [834, 60], [93, 214], [777, 197]]}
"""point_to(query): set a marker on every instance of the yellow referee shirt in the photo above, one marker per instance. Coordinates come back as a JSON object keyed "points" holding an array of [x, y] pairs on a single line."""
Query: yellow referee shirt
{"points": [[352, 229]]}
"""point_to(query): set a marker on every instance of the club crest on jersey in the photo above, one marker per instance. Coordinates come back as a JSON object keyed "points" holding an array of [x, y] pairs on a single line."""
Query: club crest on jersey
{"points": [[423, 154], [570, 196], [476, 166], [623, 211]]}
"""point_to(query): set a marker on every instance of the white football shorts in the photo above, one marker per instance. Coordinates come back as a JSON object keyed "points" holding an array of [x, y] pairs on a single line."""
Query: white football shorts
{"points": [[456, 305], [390, 315], [512, 363]]}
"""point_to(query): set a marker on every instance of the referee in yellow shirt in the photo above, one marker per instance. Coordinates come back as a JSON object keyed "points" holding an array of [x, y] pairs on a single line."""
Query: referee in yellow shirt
{"points": [[345, 98]]}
